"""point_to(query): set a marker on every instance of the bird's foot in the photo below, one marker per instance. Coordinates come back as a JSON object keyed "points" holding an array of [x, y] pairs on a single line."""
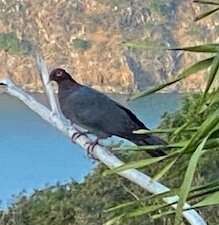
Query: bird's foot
{"points": [[78, 134], [90, 148]]}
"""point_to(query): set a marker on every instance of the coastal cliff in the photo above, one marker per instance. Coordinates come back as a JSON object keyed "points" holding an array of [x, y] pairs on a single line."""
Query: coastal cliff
{"points": [[89, 38]]}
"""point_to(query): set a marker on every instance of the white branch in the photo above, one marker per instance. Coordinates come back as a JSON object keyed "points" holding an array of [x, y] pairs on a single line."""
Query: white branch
{"points": [[56, 119], [42, 68]]}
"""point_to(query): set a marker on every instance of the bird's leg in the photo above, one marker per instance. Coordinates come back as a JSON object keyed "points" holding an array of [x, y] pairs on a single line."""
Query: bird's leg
{"points": [[91, 146], [78, 134]]}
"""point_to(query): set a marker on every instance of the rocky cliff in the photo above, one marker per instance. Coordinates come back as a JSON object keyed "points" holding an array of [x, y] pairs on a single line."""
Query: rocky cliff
{"points": [[88, 38]]}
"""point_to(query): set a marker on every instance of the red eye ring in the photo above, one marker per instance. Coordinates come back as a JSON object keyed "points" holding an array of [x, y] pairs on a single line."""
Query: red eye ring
{"points": [[59, 74]]}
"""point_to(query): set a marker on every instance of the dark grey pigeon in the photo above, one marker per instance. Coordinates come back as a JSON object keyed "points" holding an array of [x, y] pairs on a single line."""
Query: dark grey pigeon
{"points": [[98, 113]]}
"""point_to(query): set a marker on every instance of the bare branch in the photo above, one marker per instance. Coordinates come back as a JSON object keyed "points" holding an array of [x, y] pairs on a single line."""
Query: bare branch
{"points": [[42, 68], [55, 118]]}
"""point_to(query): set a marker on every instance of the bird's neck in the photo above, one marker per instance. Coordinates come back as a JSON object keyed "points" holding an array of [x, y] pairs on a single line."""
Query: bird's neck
{"points": [[68, 85]]}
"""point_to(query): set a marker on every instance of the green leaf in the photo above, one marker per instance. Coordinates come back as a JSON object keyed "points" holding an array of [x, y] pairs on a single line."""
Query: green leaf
{"points": [[146, 44], [204, 191], [214, 99], [138, 212], [114, 220], [140, 131], [162, 214], [167, 167], [212, 143], [212, 74], [145, 210], [135, 165], [201, 65], [121, 206], [187, 182], [150, 147], [204, 15], [205, 186], [179, 130], [210, 101], [163, 131], [205, 129], [212, 199], [206, 2], [206, 48], [146, 199]]}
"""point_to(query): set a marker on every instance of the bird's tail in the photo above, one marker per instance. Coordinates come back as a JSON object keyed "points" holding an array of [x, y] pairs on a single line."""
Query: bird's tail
{"points": [[141, 140]]}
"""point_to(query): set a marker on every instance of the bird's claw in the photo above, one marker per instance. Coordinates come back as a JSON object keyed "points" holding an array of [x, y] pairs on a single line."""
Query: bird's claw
{"points": [[78, 134], [90, 149]]}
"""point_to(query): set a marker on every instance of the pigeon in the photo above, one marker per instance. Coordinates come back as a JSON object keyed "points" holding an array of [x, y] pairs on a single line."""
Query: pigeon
{"points": [[99, 114]]}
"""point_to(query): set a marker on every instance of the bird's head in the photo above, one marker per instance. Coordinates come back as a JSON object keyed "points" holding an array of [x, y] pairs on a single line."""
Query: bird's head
{"points": [[59, 75]]}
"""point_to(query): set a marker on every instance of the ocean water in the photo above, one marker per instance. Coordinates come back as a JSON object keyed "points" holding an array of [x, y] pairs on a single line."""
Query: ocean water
{"points": [[33, 154]]}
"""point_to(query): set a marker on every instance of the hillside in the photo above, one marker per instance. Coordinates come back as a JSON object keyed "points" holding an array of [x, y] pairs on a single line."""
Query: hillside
{"points": [[87, 38]]}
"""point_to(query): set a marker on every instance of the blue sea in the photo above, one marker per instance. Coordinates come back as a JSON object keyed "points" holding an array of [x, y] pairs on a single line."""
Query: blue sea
{"points": [[33, 154]]}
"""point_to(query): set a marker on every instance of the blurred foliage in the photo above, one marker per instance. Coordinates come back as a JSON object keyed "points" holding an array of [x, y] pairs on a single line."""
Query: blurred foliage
{"points": [[114, 3], [208, 168], [193, 135], [159, 6], [189, 108], [73, 204], [81, 44], [10, 43]]}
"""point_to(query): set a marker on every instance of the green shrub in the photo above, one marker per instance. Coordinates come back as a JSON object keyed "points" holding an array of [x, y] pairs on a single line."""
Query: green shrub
{"points": [[81, 44], [158, 6], [9, 42]]}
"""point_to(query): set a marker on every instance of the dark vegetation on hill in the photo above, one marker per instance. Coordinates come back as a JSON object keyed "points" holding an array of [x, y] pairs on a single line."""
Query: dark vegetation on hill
{"points": [[85, 35]]}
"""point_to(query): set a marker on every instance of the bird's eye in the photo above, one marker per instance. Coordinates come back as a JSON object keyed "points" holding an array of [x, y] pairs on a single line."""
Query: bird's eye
{"points": [[59, 74]]}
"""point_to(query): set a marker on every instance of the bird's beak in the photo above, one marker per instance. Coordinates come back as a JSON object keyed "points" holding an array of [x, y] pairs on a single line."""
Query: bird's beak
{"points": [[51, 83]]}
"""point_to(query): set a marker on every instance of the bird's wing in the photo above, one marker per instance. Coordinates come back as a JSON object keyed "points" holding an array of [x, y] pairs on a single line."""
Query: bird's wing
{"points": [[104, 117], [132, 116], [99, 114]]}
